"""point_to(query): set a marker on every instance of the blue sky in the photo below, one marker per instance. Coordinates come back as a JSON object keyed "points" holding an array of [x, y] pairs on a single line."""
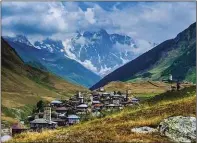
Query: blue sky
{"points": [[143, 21]]}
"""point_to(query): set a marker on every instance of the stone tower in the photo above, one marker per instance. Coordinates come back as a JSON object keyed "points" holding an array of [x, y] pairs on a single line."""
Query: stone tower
{"points": [[170, 77], [47, 113]]}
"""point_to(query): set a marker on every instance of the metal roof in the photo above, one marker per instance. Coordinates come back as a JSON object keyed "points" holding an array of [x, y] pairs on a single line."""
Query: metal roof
{"points": [[42, 121], [56, 102], [105, 93], [83, 106], [95, 101], [113, 105], [58, 120], [61, 109], [134, 99], [62, 115], [73, 117]]}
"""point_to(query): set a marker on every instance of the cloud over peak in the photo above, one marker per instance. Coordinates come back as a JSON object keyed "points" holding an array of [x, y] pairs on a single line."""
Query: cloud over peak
{"points": [[143, 21]]}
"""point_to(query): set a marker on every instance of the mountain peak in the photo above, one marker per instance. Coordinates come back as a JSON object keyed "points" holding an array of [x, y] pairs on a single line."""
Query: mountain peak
{"points": [[20, 39]]}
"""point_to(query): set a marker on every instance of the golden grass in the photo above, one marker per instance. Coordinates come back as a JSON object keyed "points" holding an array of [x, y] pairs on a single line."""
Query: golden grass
{"points": [[8, 119], [117, 127], [138, 87], [19, 90]]}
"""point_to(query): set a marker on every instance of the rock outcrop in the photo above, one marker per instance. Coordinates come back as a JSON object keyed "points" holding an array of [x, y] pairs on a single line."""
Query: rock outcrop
{"points": [[179, 128]]}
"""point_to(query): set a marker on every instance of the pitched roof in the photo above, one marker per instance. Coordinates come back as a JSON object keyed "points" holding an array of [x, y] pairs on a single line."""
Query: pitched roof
{"points": [[73, 117], [58, 120], [62, 115], [82, 106], [96, 102], [56, 102], [113, 105], [42, 121], [106, 93], [61, 109], [134, 99]]}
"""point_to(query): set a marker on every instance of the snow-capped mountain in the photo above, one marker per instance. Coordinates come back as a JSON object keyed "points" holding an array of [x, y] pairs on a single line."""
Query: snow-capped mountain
{"points": [[53, 46], [98, 51], [19, 39], [53, 60]]}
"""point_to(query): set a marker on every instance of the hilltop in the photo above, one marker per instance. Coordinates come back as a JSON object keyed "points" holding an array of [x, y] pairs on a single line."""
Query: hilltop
{"points": [[175, 56], [24, 85], [117, 127]]}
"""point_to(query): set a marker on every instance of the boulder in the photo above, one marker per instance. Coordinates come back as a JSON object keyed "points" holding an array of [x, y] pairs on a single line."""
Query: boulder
{"points": [[179, 128], [144, 130], [5, 138]]}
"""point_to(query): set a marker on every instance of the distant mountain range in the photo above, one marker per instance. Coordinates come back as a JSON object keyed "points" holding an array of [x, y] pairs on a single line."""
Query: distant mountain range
{"points": [[175, 56], [56, 63], [98, 51], [83, 59]]}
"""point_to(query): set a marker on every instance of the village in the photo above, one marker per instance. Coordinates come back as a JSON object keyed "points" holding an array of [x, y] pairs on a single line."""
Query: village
{"points": [[79, 107]]}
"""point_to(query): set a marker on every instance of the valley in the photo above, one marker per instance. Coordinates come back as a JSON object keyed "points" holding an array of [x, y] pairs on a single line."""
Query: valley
{"points": [[23, 86], [143, 93]]}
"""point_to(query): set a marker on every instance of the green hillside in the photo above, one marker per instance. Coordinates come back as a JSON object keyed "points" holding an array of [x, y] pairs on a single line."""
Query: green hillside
{"points": [[175, 56], [180, 60], [23, 86]]}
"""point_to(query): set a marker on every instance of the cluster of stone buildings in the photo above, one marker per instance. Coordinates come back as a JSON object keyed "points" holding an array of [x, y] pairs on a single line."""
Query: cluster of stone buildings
{"points": [[60, 113], [108, 101], [69, 112]]}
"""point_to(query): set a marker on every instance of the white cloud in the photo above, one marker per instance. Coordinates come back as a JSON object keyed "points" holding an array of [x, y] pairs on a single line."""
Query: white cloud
{"points": [[122, 47], [142, 47], [89, 16], [88, 64], [145, 22], [150, 21]]}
